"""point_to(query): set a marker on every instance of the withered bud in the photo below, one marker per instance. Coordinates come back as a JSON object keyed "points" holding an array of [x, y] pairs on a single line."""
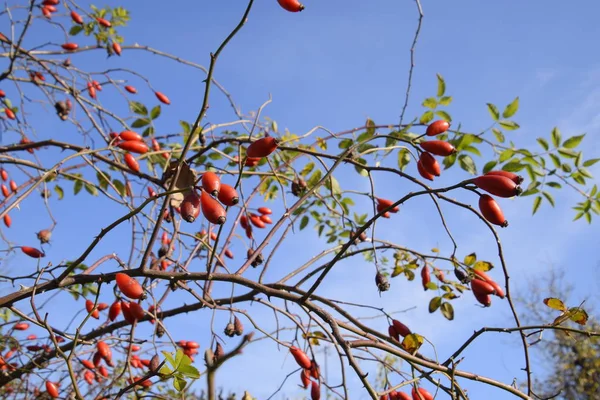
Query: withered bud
{"points": [[219, 352], [154, 363], [298, 187], [382, 282], [163, 251], [209, 357], [230, 330], [44, 236], [258, 260], [238, 326], [461, 276], [160, 330]]}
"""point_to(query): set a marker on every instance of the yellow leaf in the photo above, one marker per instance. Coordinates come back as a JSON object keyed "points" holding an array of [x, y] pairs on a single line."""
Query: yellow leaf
{"points": [[397, 271], [412, 342], [322, 143], [578, 315], [484, 266], [470, 259], [555, 304]]}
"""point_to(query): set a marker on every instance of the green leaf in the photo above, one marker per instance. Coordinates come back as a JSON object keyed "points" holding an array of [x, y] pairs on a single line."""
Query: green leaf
{"points": [[549, 197], [543, 143], [577, 177], [91, 189], [365, 136], [334, 185], [591, 162], [60, 192], [103, 179], [554, 185], [348, 201], [190, 371], [573, 141], [75, 29], [434, 304], [567, 152], [169, 358], [165, 370], [179, 383], [307, 169], [585, 172], [148, 132], [138, 108], [403, 159], [314, 178], [555, 160], [361, 171], [119, 186], [179, 358], [443, 115], [511, 109], [472, 149], [155, 113], [579, 215], [441, 85], [467, 163], [531, 189], [556, 137], [186, 127], [489, 166], [537, 203], [77, 187], [513, 166], [140, 123], [578, 160], [509, 125], [450, 160], [447, 311], [304, 222], [370, 127], [430, 102], [493, 110], [427, 117], [499, 135], [506, 155], [445, 100], [346, 143]]}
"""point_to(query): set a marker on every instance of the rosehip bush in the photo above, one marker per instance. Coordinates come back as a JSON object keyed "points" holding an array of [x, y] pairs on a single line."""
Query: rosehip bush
{"points": [[206, 212]]}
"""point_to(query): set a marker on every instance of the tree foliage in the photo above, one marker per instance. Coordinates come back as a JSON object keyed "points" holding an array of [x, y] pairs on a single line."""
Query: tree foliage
{"points": [[571, 358]]}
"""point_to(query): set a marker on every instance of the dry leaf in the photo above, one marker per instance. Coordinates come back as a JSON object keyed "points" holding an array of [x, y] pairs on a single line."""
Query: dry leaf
{"points": [[186, 180]]}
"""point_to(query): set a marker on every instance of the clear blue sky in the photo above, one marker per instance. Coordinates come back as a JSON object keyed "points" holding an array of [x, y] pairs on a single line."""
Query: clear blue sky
{"points": [[335, 64]]}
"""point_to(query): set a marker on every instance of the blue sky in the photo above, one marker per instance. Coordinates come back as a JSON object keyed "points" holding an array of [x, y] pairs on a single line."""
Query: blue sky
{"points": [[335, 64]]}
